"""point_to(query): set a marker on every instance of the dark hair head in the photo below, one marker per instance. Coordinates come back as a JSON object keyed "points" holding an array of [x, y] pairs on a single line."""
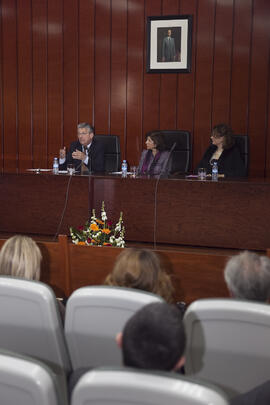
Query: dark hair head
{"points": [[158, 139], [223, 130], [154, 338]]}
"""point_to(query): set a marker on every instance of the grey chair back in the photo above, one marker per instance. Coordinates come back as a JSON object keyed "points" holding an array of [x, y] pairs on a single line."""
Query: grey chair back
{"points": [[130, 386], [30, 322], [112, 158], [26, 381], [228, 343], [182, 153], [94, 316]]}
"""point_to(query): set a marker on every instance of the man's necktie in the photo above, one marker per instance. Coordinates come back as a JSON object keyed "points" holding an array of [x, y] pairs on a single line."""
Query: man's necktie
{"points": [[84, 168]]}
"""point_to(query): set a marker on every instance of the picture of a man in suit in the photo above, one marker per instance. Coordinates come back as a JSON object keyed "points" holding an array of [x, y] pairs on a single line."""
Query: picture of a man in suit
{"points": [[168, 48]]}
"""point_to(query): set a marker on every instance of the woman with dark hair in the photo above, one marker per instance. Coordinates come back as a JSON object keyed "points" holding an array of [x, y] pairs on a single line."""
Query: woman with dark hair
{"points": [[225, 152], [155, 160]]}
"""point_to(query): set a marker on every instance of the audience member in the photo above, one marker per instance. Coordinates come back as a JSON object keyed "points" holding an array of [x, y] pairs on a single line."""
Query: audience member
{"points": [[140, 269], [248, 276], [154, 338], [20, 257]]}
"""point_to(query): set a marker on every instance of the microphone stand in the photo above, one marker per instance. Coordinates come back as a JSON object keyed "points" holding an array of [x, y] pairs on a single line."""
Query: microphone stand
{"points": [[155, 194]]}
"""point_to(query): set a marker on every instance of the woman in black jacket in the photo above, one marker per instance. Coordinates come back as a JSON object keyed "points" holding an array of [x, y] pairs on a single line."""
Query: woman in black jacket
{"points": [[225, 152]]}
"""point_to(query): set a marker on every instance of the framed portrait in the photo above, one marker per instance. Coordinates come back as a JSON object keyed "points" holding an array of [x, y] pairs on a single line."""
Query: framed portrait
{"points": [[169, 41]]}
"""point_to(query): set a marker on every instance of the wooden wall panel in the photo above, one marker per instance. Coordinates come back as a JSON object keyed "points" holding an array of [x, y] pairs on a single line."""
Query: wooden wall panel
{"points": [[168, 85], [25, 104], [240, 66], [118, 79], [84, 60], [258, 86], [70, 71], [9, 75], [55, 79], [186, 82], [222, 62], [267, 172], [102, 66], [135, 82], [1, 96], [151, 91], [204, 77], [40, 83]]}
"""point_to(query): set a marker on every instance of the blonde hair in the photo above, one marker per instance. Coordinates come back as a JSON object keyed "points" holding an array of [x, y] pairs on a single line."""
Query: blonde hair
{"points": [[20, 257], [140, 269]]}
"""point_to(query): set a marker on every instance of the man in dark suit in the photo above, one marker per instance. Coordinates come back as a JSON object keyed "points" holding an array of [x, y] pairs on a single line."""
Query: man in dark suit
{"points": [[87, 154], [168, 48]]}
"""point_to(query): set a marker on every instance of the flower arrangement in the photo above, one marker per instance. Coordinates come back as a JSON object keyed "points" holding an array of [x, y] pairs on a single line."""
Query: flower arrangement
{"points": [[99, 232]]}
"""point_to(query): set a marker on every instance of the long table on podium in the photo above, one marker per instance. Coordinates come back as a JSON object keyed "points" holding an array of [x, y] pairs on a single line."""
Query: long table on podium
{"points": [[181, 211]]}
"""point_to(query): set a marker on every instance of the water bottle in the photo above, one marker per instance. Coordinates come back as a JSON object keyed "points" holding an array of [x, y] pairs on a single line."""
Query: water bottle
{"points": [[55, 165], [124, 168], [215, 171]]}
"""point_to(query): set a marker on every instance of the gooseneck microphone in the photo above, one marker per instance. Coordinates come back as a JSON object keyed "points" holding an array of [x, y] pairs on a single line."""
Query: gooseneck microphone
{"points": [[163, 171]]}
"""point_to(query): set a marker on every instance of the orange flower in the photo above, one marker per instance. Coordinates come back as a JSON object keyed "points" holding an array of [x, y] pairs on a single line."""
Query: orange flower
{"points": [[107, 244], [94, 227], [100, 222], [106, 230], [81, 243]]}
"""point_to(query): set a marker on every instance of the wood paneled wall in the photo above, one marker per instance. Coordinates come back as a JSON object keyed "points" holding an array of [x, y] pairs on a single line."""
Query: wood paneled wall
{"points": [[65, 61]]}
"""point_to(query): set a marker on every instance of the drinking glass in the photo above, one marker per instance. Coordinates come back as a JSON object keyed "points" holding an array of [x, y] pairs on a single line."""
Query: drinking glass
{"points": [[70, 169], [133, 171], [202, 173]]}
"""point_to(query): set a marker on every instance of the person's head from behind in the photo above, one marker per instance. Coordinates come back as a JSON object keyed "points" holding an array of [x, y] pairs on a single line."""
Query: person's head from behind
{"points": [[154, 338], [223, 134], [85, 133], [140, 269], [155, 141], [248, 276], [20, 257]]}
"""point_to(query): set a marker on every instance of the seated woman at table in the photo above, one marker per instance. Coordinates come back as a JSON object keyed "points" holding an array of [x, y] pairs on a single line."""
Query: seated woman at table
{"points": [[155, 160], [225, 152], [141, 269]]}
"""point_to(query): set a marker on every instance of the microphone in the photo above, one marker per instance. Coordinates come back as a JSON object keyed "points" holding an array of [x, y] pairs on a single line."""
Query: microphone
{"points": [[165, 167], [156, 188]]}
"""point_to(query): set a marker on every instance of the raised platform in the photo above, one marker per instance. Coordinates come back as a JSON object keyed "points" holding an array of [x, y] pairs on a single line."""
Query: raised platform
{"points": [[225, 214]]}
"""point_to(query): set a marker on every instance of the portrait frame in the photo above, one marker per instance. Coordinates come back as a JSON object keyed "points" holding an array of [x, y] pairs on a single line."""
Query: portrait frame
{"points": [[169, 44]]}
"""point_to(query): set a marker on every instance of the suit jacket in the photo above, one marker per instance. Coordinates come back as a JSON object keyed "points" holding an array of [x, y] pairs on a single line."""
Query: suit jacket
{"points": [[168, 49], [162, 166], [95, 154], [230, 162]]}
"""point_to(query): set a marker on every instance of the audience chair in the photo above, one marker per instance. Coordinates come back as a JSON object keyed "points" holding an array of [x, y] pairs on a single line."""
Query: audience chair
{"points": [[242, 141], [30, 323], [130, 386], [181, 155], [26, 381], [94, 316], [112, 156], [228, 343]]}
